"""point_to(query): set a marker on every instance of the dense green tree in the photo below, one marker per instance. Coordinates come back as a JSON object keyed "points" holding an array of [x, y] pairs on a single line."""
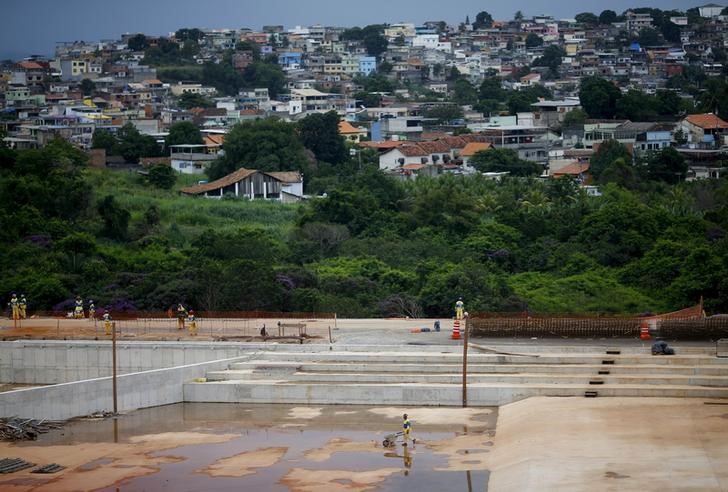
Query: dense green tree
{"points": [[162, 176], [492, 88], [267, 145], [649, 37], [186, 34], [607, 17], [367, 99], [223, 77], [503, 160], [608, 152], [635, 105], [599, 97], [190, 100], [114, 217], [87, 87], [138, 42], [265, 74], [483, 20], [551, 57], [165, 52], [668, 103], [132, 144], [587, 18], [533, 40], [183, 132], [667, 165], [320, 134], [445, 113], [103, 139], [575, 117], [464, 93]]}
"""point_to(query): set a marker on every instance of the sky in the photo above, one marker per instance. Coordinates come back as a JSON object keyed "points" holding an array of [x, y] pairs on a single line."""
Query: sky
{"points": [[34, 26]]}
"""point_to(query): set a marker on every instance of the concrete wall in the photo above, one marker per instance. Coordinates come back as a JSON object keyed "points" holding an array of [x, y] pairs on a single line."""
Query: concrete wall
{"points": [[136, 390], [59, 361]]}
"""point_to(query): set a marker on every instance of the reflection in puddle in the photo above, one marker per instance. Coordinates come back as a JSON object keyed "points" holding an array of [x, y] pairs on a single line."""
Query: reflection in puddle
{"points": [[253, 447]]}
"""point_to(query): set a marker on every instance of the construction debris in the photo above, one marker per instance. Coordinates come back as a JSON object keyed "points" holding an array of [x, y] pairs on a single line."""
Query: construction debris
{"points": [[52, 468], [100, 415], [16, 429], [11, 465]]}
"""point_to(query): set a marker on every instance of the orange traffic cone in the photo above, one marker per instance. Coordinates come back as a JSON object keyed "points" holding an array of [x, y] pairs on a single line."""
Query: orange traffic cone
{"points": [[456, 330], [644, 330]]}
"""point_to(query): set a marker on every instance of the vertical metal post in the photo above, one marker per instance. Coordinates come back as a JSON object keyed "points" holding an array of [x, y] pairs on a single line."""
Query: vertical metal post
{"points": [[113, 363], [331, 341], [465, 364]]}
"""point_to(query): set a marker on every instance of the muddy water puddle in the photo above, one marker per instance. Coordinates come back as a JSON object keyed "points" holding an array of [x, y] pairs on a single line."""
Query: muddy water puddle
{"points": [[193, 447]]}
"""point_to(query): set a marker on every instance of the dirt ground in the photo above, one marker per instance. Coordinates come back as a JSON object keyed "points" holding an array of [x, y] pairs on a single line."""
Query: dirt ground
{"points": [[565, 444], [255, 447]]}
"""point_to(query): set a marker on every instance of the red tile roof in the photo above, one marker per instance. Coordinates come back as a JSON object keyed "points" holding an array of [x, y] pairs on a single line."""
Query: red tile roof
{"points": [[573, 169], [347, 128], [471, 148], [706, 121]]}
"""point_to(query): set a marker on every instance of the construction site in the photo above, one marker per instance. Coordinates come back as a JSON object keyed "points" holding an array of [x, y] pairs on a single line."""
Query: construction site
{"points": [[310, 402]]}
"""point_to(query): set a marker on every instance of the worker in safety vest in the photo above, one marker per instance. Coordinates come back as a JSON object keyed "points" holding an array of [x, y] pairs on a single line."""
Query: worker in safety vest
{"points": [[459, 308], [107, 321], [22, 306], [181, 315], [14, 306], [406, 428], [193, 323], [91, 309], [78, 310]]}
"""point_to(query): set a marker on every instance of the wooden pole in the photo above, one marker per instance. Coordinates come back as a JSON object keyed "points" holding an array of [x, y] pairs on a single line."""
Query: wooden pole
{"points": [[113, 363], [331, 341], [465, 364]]}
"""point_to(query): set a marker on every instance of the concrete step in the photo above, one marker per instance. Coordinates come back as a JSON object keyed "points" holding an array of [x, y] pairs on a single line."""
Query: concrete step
{"points": [[445, 358], [440, 394], [455, 368], [514, 378]]}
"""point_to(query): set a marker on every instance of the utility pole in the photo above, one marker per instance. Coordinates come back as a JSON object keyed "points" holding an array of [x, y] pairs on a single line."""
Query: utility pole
{"points": [[113, 364], [465, 361]]}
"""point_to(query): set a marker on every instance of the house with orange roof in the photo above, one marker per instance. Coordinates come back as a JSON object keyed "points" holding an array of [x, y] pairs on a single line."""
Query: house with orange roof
{"points": [[472, 148], [704, 130], [351, 133]]}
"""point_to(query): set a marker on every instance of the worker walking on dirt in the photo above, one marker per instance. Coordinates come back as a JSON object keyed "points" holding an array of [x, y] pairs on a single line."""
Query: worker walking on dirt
{"points": [[14, 306], [91, 310], [107, 321], [23, 306], [78, 310], [406, 429], [459, 308], [193, 323], [181, 315]]}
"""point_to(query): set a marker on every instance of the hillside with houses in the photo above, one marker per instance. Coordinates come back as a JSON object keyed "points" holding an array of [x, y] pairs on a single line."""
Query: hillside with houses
{"points": [[528, 164]]}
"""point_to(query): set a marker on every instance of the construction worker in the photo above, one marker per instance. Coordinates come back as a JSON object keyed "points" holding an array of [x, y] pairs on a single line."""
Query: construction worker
{"points": [[78, 310], [193, 323], [459, 308], [181, 315], [407, 429], [107, 321], [91, 310], [22, 306], [14, 306]]}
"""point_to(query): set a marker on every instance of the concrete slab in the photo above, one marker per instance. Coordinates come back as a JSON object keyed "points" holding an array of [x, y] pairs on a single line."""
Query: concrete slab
{"points": [[564, 444]]}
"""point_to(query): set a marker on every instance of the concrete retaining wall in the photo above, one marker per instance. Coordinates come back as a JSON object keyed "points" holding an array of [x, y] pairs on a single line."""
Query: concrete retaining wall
{"points": [[58, 361], [136, 390]]}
